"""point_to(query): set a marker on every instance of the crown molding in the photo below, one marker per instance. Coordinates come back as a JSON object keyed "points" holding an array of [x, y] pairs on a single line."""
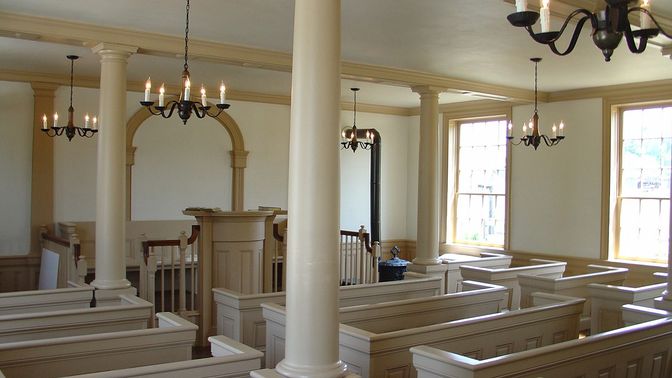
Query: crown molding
{"points": [[71, 33], [54, 81], [623, 92]]}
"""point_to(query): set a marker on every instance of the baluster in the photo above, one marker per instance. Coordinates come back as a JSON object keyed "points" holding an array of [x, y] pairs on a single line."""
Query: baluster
{"points": [[377, 253], [143, 268], [284, 260], [151, 277], [183, 273], [73, 256]]}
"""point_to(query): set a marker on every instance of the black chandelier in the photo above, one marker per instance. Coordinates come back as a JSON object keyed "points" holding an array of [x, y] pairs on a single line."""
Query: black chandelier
{"points": [[354, 138], [531, 136], [70, 129], [184, 106], [609, 26]]}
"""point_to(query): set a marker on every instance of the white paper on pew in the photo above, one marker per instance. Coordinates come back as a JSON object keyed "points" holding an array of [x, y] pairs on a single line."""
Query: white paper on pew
{"points": [[48, 270]]}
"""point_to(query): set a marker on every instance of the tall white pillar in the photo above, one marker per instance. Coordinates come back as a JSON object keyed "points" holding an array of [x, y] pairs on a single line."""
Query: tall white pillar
{"points": [[665, 302], [311, 347], [427, 245], [110, 183]]}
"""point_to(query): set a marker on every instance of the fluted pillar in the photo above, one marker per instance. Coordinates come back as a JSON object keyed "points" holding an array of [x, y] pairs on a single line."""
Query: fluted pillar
{"points": [[111, 178], [665, 302], [311, 347]]}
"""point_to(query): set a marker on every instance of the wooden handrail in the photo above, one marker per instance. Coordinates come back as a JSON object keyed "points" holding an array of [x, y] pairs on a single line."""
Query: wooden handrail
{"points": [[195, 230], [65, 243], [365, 235], [56, 239]]}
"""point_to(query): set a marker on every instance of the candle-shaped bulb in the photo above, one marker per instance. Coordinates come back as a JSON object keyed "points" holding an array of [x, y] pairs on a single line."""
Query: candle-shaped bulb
{"points": [[524, 128], [55, 119], [521, 5], [222, 93], [644, 19], [509, 129], [555, 131], [44, 121], [86, 121], [187, 89], [95, 122], [204, 99], [545, 16], [343, 134], [562, 128], [162, 92], [148, 86]]}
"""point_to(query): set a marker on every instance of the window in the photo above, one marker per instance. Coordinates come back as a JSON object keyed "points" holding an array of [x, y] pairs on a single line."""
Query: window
{"points": [[477, 176], [642, 205]]}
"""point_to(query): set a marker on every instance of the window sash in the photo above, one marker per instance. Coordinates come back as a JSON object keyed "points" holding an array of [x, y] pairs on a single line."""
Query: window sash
{"points": [[647, 200], [480, 225]]}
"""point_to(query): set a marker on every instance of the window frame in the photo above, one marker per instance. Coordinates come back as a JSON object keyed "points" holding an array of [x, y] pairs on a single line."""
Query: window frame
{"points": [[449, 177], [616, 182]]}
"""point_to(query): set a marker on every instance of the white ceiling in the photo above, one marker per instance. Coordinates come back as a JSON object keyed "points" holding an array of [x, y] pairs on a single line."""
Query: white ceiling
{"points": [[459, 39]]}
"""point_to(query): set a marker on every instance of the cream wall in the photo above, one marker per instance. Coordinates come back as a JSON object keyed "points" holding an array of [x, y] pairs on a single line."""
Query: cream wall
{"points": [[412, 145], [16, 118], [555, 192], [355, 175]]}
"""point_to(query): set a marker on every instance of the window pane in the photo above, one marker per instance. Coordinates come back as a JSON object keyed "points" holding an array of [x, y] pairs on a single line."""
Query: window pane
{"points": [[480, 211], [644, 186]]}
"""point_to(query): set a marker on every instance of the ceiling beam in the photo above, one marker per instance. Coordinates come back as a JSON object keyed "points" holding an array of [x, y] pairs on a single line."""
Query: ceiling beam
{"points": [[79, 34]]}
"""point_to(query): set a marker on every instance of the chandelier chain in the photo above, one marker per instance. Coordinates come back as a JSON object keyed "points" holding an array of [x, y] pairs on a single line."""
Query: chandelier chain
{"points": [[354, 116], [535, 85], [186, 40], [72, 70]]}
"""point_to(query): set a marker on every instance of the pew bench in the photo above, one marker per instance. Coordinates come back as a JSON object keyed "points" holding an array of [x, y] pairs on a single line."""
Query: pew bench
{"points": [[607, 300], [132, 313], [239, 316], [477, 299], [453, 262], [22, 302], [229, 359], [642, 350], [508, 277], [574, 286], [56, 357]]}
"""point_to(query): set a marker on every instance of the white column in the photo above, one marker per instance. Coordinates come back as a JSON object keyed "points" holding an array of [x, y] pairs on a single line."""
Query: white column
{"points": [[427, 245], [311, 347], [111, 184], [667, 294]]}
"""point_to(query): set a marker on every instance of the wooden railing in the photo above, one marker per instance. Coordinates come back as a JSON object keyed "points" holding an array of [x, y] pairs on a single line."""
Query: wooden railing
{"points": [[164, 262], [72, 265], [358, 260]]}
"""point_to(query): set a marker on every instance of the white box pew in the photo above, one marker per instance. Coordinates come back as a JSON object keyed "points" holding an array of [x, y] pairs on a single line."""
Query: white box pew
{"points": [[633, 314], [56, 357], [482, 259], [509, 276], [229, 359], [21, 302], [607, 300], [479, 299], [132, 313], [239, 316], [574, 286], [642, 350]]}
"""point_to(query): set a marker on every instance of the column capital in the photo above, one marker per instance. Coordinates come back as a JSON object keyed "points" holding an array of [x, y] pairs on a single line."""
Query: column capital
{"points": [[239, 158], [114, 48], [43, 89], [424, 90], [130, 155]]}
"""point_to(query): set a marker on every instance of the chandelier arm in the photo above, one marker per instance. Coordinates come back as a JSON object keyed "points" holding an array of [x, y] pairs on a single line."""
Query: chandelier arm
{"points": [[630, 36], [213, 115], [173, 104], [556, 35], [572, 42], [155, 112], [646, 11], [200, 113]]}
